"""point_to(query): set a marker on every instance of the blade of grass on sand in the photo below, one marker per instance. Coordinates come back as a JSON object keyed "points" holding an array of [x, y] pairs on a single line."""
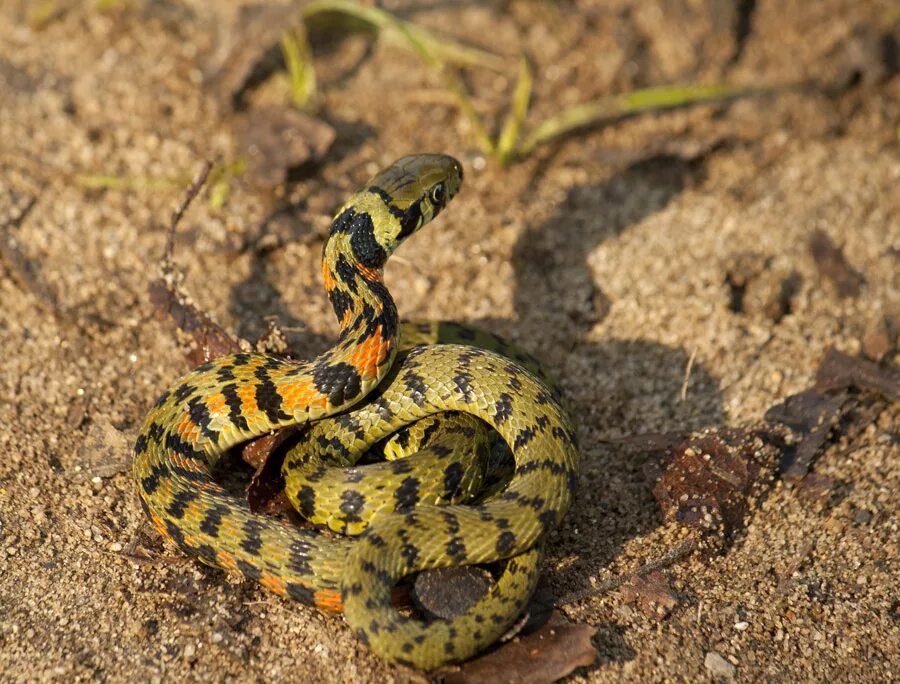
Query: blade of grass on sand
{"points": [[454, 84], [220, 179], [301, 72], [445, 50], [509, 134], [615, 107], [107, 182]]}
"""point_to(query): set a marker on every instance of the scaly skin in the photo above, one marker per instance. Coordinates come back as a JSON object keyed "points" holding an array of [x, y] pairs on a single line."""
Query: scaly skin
{"points": [[241, 396]]}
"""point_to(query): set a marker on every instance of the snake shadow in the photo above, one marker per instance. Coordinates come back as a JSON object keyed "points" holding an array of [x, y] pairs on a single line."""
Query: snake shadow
{"points": [[615, 387]]}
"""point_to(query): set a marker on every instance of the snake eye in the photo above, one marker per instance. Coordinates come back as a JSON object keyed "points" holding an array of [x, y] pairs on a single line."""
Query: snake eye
{"points": [[437, 195]]}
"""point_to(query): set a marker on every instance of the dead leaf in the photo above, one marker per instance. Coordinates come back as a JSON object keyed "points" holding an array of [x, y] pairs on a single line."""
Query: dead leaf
{"points": [[813, 414], [265, 493], [105, 451], [832, 264], [841, 371], [706, 480], [276, 140], [652, 593], [544, 656], [817, 488], [208, 339]]}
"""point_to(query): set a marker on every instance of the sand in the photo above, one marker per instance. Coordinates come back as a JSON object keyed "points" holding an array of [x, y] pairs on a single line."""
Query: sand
{"points": [[606, 254]]}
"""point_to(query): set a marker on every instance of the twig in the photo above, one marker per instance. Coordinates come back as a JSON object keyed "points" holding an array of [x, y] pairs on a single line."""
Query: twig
{"points": [[189, 196], [687, 375], [681, 551]]}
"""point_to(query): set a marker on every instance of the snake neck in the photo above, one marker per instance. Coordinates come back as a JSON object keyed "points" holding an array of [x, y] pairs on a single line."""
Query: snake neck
{"points": [[364, 308]]}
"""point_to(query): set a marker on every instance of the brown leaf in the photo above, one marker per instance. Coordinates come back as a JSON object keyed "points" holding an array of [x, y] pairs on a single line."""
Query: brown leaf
{"points": [[841, 371], [278, 139], [652, 593], [208, 339], [265, 493], [542, 657], [815, 411], [813, 414], [832, 264], [705, 481], [105, 451], [816, 487]]}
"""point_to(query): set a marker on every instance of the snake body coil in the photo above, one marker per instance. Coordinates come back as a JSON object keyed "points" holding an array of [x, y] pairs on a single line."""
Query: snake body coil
{"points": [[353, 395]]}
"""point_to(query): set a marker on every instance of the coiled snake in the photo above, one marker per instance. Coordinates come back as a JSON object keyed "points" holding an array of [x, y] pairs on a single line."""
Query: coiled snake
{"points": [[378, 378]]}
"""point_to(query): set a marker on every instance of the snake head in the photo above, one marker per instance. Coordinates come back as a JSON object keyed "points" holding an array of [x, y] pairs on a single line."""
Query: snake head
{"points": [[395, 203], [416, 189]]}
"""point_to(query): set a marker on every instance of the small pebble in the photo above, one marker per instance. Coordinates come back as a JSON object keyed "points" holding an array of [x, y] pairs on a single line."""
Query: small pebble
{"points": [[862, 517], [718, 666], [741, 626], [115, 547], [216, 637]]}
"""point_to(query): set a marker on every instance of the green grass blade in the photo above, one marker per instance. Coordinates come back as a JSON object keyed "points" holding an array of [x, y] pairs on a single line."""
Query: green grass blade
{"points": [[615, 107], [509, 134], [446, 51], [301, 71], [453, 84]]}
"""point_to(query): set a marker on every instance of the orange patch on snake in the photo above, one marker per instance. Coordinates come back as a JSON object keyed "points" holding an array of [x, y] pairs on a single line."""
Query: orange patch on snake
{"points": [[225, 560], [215, 403], [300, 395], [247, 394], [366, 357], [328, 600], [275, 584]]}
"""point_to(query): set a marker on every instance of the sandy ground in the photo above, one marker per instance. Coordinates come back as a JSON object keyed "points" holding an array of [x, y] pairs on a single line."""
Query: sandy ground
{"points": [[606, 254]]}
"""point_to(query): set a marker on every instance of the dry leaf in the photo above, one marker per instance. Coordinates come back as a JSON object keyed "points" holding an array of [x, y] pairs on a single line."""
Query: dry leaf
{"points": [[208, 339], [652, 593], [706, 480], [105, 451], [542, 657]]}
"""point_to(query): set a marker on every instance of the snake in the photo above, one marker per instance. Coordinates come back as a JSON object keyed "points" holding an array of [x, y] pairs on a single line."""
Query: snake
{"points": [[376, 384]]}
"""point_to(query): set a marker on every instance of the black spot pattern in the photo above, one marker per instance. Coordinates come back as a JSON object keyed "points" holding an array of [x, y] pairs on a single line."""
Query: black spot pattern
{"points": [[463, 382], [180, 502], [415, 383], [306, 497], [347, 274], [248, 570], [365, 246], [505, 543], [268, 399], [233, 401], [503, 409], [407, 494], [213, 519], [456, 549], [453, 475], [352, 504], [340, 382], [300, 592], [252, 541]]}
